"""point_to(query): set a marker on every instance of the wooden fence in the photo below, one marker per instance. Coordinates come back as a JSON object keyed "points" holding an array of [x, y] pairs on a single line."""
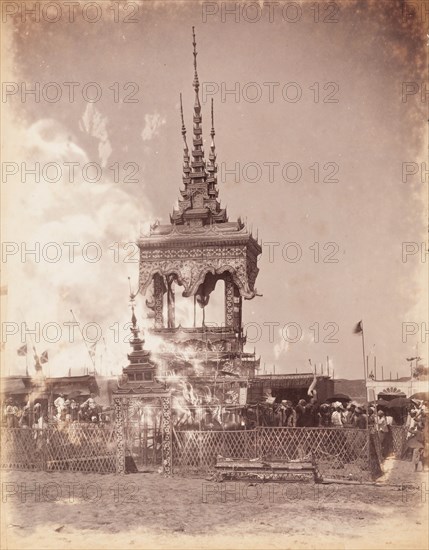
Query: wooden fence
{"points": [[340, 453], [75, 447]]}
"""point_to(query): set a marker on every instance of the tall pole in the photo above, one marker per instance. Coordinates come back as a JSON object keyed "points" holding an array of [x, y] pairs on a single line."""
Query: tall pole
{"points": [[363, 349], [84, 341], [26, 356]]}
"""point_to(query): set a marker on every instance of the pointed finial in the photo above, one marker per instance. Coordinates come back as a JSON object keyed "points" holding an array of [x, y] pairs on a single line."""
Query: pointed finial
{"points": [[186, 168], [133, 318], [212, 132], [133, 327], [196, 82], [212, 156], [194, 43], [181, 116], [132, 294]]}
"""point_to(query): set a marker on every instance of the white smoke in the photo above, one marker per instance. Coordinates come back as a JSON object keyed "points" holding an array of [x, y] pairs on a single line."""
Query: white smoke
{"points": [[43, 291], [152, 124]]}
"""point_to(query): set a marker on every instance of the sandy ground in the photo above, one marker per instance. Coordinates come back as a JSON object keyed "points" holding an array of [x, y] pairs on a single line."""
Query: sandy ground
{"points": [[86, 511]]}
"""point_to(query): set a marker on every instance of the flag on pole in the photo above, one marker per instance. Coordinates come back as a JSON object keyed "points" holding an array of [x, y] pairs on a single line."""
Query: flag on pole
{"points": [[44, 357], [91, 350], [312, 389], [358, 328], [22, 350], [37, 365]]}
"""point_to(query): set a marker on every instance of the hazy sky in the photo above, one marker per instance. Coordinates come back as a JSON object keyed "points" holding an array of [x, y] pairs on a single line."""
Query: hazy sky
{"points": [[335, 99]]}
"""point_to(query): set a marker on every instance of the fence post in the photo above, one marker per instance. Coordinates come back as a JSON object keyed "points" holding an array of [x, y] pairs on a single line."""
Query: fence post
{"points": [[368, 439], [257, 442], [119, 433], [167, 449]]}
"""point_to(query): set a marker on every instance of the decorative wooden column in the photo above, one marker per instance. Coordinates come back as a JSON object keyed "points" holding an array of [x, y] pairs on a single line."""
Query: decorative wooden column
{"points": [[119, 433], [171, 314], [229, 301], [238, 305], [167, 451], [166, 431], [158, 295]]}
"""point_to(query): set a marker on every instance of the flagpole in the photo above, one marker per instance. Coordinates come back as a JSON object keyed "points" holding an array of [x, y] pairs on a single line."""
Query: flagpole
{"points": [[85, 342], [26, 355], [33, 343], [363, 352]]}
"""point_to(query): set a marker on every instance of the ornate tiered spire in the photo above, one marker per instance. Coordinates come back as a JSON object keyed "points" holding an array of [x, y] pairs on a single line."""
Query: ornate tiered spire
{"points": [[199, 205], [141, 368], [212, 168], [186, 168], [198, 165]]}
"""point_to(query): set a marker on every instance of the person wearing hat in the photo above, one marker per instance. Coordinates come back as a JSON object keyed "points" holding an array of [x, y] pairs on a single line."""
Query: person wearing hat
{"points": [[300, 413], [383, 430], [73, 410], [10, 413], [324, 415], [349, 415], [361, 420], [337, 418], [371, 416], [59, 404]]}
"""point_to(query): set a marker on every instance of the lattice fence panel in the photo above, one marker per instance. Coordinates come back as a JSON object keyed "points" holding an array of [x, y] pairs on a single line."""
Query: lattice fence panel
{"points": [[239, 444], [198, 450], [338, 453], [78, 447], [399, 440], [375, 454], [22, 449]]}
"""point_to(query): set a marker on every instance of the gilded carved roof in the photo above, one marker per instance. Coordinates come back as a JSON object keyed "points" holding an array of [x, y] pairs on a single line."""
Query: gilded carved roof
{"points": [[200, 239]]}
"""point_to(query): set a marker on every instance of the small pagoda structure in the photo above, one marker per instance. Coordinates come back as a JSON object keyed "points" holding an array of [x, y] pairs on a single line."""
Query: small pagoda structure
{"points": [[138, 389], [191, 254], [139, 375]]}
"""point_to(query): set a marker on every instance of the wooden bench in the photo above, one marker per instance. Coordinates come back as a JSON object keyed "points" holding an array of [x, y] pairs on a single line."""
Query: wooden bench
{"points": [[265, 469]]}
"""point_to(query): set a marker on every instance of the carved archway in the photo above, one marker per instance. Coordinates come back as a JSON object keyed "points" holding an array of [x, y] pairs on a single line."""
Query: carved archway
{"points": [[121, 403]]}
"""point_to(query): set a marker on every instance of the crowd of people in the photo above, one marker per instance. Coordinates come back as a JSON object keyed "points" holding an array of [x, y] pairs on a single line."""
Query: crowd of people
{"points": [[417, 426], [64, 410], [310, 414], [305, 414]]}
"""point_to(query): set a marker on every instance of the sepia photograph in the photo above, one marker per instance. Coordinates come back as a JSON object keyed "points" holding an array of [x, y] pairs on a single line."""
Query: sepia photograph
{"points": [[214, 275]]}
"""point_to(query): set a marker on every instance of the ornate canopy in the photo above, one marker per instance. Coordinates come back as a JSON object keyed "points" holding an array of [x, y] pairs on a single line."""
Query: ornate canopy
{"points": [[191, 253]]}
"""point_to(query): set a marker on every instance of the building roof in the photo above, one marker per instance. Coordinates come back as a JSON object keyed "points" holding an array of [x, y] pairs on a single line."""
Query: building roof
{"points": [[302, 380], [14, 386]]}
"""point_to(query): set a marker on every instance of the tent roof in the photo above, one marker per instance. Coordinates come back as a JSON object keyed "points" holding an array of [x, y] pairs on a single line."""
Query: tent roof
{"points": [[14, 386], [283, 381]]}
